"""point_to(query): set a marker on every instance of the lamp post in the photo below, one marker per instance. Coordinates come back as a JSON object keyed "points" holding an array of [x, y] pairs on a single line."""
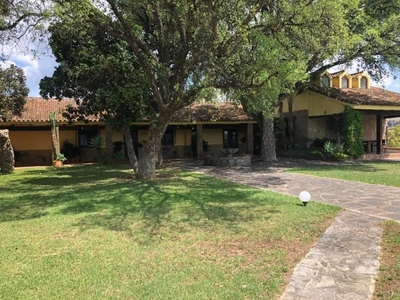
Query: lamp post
{"points": [[304, 197]]}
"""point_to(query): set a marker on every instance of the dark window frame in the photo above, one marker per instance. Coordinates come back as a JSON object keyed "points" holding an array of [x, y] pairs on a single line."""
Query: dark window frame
{"points": [[168, 138], [230, 140], [84, 136]]}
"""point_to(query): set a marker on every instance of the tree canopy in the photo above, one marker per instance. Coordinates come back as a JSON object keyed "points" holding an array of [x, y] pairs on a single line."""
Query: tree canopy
{"points": [[19, 18], [13, 92], [176, 49]]}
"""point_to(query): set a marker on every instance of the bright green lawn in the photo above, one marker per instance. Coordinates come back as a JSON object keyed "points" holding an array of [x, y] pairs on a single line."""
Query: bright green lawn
{"points": [[385, 173], [90, 232], [387, 285]]}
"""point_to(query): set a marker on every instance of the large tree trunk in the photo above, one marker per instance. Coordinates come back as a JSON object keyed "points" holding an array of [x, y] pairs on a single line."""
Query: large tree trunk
{"points": [[268, 148], [131, 150], [147, 161]]}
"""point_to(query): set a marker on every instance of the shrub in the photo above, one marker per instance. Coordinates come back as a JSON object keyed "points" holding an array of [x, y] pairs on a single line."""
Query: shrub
{"points": [[353, 132]]}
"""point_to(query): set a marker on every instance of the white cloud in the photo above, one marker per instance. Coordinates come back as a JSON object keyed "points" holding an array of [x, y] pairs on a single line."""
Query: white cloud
{"points": [[35, 68]]}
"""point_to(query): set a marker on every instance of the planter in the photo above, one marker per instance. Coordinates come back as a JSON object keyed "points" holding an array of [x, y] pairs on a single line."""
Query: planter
{"points": [[58, 163]]}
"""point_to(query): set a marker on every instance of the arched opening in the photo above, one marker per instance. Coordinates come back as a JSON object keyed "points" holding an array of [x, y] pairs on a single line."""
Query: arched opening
{"points": [[325, 81], [363, 83], [345, 82]]}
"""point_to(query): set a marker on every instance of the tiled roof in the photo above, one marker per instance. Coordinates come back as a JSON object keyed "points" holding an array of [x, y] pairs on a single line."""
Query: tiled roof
{"points": [[337, 74], [371, 96], [356, 74], [211, 112], [37, 110]]}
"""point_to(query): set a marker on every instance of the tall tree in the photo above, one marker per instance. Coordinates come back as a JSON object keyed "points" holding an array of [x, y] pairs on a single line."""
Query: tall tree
{"points": [[178, 45], [282, 42], [13, 92], [372, 41], [96, 69], [19, 18]]}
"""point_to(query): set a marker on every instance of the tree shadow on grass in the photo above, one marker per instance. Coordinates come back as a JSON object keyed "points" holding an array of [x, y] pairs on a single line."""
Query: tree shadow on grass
{"points": [[140, 209]]}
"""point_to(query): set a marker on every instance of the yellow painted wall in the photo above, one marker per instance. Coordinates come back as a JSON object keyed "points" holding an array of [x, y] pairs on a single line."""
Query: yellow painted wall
{"points": [[213, 136], [31, 140], [142, 135], [301, 102], [69, 135], [183, 137], [336, 82], [320, 105], [316, 104], [355, 83], [117, 136]]}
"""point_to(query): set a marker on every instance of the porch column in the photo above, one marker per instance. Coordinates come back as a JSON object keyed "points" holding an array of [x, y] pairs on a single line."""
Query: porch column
{"points": [[250, 138], [109, 146], [199, 140], [379, 135]]}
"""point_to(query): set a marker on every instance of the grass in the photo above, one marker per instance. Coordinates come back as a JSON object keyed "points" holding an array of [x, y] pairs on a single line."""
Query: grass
{"points": [[384, 173], [92, 232], [388, 283]]}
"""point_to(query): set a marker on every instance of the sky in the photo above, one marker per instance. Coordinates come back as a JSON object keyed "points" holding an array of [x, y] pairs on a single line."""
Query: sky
{"points": [[36, 68]]}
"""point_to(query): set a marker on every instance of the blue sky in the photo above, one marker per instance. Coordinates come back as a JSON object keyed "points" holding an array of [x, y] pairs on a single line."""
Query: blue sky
{"points": [[36, 68]]}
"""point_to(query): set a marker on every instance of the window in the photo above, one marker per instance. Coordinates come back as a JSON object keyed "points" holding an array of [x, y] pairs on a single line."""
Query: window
{"points": [[168, 138], [345, 82], [85, 136], [325, 81], [363, 83], [230, 138]]}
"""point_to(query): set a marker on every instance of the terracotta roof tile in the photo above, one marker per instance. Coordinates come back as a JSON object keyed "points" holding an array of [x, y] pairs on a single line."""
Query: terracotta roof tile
{"points": [[337, 74], [356, 74], [211, 112], [371, 96], [38, 110]]}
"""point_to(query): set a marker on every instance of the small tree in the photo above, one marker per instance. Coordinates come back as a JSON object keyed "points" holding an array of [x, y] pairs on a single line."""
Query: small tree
{"points": [[13, 92]]}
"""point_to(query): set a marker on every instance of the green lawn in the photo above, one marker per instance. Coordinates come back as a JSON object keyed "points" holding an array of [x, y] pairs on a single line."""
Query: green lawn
{"points": [[91, 232], [388, 281], [385, 173]]}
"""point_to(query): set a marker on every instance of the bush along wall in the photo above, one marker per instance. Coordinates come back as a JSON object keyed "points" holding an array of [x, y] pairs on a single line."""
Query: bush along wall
{"points": [[353, 132]]}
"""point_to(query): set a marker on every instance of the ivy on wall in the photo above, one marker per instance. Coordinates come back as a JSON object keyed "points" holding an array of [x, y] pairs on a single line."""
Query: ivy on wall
{"points": [[353, 132]]}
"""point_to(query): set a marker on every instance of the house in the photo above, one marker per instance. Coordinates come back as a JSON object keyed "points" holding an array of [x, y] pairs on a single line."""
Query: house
{"points": [[219, 125], [317, 108]]}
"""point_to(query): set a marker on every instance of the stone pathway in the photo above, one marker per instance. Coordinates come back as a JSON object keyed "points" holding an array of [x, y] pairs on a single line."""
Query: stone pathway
{"points": [[344, 262]]}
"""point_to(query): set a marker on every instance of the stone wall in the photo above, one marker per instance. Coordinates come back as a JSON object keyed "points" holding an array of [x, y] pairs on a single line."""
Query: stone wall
{"points": [[228, 161], [33, 158], [300, 126]]}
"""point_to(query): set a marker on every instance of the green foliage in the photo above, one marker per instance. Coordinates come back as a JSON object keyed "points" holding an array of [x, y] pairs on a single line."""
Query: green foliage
{"points": [[97, 142], [13, 91], [327, 149], [61, 157], [70, 150], [393, 136], [353, 132], [206, 146]]}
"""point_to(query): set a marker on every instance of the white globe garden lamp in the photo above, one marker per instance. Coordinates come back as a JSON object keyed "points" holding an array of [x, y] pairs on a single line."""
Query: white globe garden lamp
{"points": [[305, 197]]}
